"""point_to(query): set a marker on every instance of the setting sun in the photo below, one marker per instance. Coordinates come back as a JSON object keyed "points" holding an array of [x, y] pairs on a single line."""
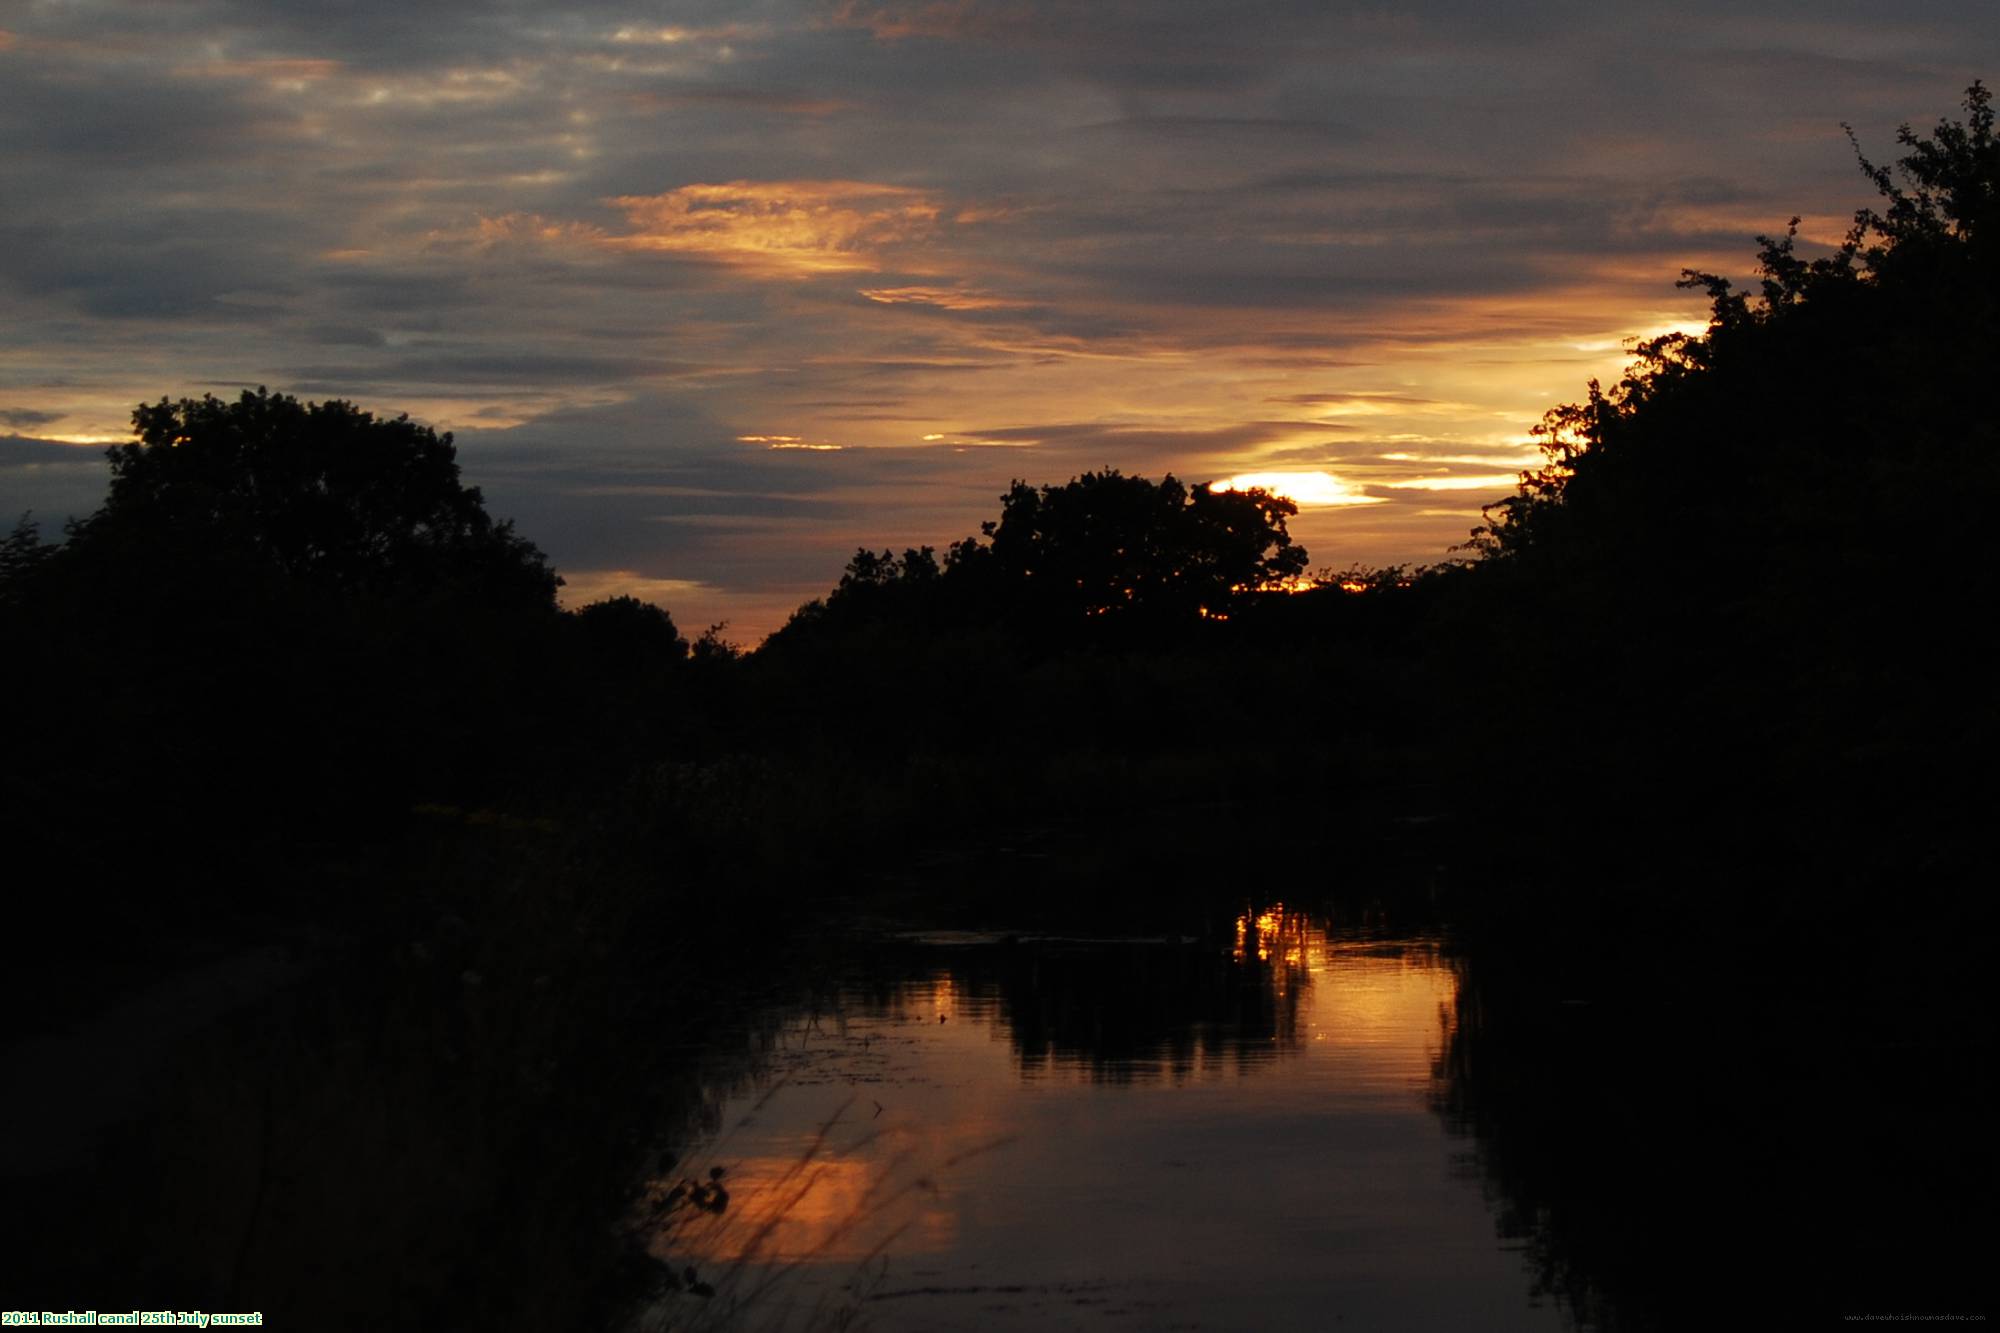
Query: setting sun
{"points": [[1317, 489]]}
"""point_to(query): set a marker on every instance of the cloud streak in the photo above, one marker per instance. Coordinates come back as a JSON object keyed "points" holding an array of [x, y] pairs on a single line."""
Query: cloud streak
{"points": [[779, 228]]}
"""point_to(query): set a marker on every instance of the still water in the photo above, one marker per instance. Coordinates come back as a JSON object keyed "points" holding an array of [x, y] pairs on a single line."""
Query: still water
{"points": [[1034, 1132]]}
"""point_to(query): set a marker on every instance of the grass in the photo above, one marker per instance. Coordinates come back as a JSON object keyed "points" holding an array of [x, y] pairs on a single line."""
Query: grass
{"points": [[721, 1264], [438, 1125]]}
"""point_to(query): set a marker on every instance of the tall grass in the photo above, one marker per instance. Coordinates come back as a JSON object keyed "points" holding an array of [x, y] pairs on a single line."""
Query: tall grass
{"points": [[722, 1263], [439, 1126]]}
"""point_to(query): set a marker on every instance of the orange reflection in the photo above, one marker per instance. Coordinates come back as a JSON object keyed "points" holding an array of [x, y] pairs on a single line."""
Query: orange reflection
{"points": [[923, 1121], [1266, 932], [1369, 989], [841, 1210]]}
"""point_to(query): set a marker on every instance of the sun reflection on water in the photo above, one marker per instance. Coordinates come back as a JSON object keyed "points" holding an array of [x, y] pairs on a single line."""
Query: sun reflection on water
{"points": [[1049, 1111]]}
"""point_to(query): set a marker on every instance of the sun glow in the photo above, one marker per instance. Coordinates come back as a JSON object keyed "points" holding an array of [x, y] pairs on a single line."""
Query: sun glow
{"points": [[791, 442], [1317, 489], [1483, 481]]}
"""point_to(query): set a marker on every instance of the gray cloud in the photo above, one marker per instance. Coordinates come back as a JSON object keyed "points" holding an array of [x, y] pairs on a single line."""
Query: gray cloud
{"points": [[1135, 211], [55, 482], [1123, 440]]}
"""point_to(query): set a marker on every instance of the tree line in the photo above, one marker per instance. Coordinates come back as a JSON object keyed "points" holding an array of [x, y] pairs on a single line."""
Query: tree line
{"points": [[1747, 567], [1704, 705]]}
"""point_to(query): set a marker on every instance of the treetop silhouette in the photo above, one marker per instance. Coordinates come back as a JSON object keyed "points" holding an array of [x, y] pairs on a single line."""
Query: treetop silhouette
{"points": [[323, 495], [1103, 548], [1836, 398], [1106, 542]]}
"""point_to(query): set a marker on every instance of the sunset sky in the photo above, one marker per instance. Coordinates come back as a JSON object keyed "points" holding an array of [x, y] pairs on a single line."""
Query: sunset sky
{"points": [[713, 293]]}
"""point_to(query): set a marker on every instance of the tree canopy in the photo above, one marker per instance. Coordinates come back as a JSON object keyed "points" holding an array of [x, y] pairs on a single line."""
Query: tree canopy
{"points": [[287, 617], [320, 494], [1101, 550], [1839, 396], [1105, 543], [628, 637], [1737, 594]]}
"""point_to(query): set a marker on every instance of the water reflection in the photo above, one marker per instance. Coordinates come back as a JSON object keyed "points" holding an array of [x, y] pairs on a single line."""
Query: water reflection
{"points": [[1660, 1151], [1001, 1132]]}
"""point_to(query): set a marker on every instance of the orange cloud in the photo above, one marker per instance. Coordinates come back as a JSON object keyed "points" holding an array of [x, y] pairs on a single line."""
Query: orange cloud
{"points": [[514, 228], [791, 442], [936, 18], [779, 228], [268, 71], [748, 99], [676, 35], [1483, 481], [944, 298], [581, 587]]}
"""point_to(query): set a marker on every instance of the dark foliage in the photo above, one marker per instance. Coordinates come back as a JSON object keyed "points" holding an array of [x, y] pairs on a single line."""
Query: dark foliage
{"points": [[1095, 617], [320, 495], [288, 624], [630, 638], [1742, 727], [1107, 545], [20, 552], [1104, 557], [1741, 579], [1709, 686]]}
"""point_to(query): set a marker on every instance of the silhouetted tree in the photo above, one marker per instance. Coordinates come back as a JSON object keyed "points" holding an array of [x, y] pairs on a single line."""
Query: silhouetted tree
{"points": [[287, 622], [1109, 544], [916, 568], [630, 638], [1065, 564], [319, 494], [21, 552], [711, 650], [1736, 597], [1733, 720], [1844, 372], [874, 590]]}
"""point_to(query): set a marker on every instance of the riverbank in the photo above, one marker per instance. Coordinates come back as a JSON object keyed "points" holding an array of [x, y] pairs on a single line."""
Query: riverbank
{"points": [[435, 1117], [447, 1098]]}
